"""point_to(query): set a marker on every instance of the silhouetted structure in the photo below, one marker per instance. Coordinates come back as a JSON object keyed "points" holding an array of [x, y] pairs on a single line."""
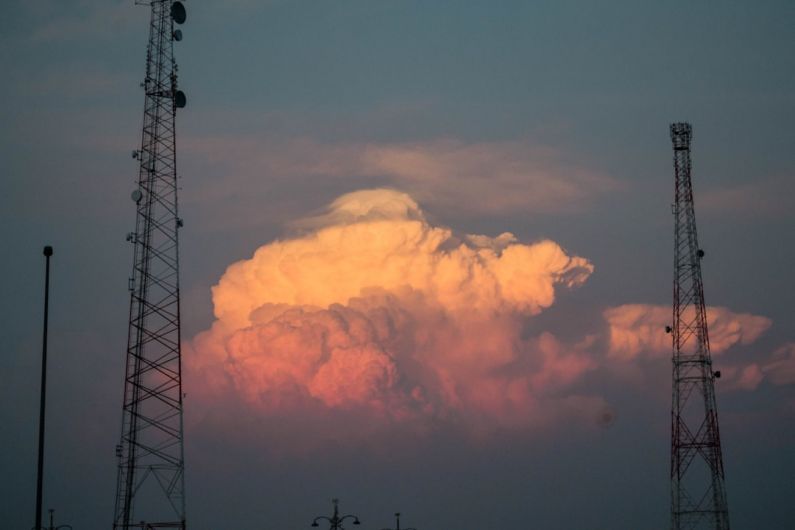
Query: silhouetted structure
{"points": [[150, 491], [397, 524], [336, 520], [52, 523], [698, 497], [43, 397]]}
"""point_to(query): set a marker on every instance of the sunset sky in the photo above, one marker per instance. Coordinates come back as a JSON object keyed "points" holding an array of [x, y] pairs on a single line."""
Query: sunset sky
{"points": [[426, 262]]}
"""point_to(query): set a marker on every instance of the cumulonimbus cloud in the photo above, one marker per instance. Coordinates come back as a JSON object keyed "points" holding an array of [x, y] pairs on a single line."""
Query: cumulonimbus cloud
{"points": [[374, 313], [375, 309]]}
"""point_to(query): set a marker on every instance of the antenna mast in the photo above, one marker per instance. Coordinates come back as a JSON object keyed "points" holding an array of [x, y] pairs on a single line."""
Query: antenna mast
{"points": [[698, 496], [150, 489]]}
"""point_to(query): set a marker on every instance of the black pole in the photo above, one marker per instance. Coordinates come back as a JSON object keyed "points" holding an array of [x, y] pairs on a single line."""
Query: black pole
{"points": [[47, 254]]}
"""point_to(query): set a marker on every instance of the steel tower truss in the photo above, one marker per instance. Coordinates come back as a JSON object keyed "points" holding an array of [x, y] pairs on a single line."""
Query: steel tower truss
{"points": [[150, 490], [698, 497]]}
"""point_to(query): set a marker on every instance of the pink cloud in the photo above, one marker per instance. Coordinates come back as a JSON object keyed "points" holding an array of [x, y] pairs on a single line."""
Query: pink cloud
{"points": [[778, 368], [735, 377], [373, 317], [639, 329], [375, 310], [781, 368]]}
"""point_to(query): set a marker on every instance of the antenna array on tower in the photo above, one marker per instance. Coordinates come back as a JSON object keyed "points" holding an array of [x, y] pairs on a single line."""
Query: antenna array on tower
{"points": [[150, 489]]}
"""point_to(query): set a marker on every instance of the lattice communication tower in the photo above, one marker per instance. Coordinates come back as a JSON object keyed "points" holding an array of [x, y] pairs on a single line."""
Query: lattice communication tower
{"points": [[150, 490], [698, 496]]}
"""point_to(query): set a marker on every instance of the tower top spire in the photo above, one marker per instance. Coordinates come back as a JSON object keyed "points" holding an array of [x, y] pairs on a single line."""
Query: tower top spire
{"points": [[681, 135]]}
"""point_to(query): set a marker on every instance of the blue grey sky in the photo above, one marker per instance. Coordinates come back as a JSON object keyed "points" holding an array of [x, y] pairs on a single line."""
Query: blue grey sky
{"points": [[544, 119]]}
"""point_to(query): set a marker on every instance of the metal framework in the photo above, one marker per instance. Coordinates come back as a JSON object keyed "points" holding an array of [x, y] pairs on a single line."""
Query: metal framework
{"points": [[150, 490], [336, 520], [698, 496]]}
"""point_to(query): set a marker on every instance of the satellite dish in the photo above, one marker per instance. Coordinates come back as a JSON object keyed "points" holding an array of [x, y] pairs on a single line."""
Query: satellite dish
{"points": [[178, 12], [179, 99], [136, 196], [177, 35]]}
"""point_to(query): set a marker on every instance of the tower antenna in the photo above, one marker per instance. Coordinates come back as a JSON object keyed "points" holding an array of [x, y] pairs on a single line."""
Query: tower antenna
{"points": [[150, 487], [698, 495]]}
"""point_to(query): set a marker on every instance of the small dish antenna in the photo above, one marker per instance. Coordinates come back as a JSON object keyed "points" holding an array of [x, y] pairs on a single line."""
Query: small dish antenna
{"points": [[177, 35], [180, 100], [136, 196], [178, 12]]}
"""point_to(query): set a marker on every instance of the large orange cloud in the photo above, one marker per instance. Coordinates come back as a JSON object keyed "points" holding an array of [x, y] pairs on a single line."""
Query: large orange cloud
{"points": [[379, 238], [374, 309]]}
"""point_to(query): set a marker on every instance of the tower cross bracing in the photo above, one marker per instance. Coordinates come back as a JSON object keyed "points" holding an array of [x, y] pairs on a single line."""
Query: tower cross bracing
{"points": [[698, 495], [150, 488]]}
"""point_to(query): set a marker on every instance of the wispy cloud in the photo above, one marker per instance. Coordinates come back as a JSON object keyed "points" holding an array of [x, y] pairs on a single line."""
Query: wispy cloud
{"points": [[488, 177], [770, 197], [447, 174], [777, 368], [86, 20], [781, 367]]}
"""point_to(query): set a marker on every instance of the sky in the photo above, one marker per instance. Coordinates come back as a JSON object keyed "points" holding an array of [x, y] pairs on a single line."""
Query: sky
{"points": [[426, 262]]}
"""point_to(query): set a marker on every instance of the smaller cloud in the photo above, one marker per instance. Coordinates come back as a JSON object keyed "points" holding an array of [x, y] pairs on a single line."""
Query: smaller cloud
{"points": [[745, 377], [780, 370], [639, 330]]}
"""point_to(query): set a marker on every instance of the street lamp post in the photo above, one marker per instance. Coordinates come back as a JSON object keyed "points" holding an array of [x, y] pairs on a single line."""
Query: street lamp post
{"points": [[42, 402], [52, 524], [60, 526], [43, 399], [336, 520], [397, 524]]}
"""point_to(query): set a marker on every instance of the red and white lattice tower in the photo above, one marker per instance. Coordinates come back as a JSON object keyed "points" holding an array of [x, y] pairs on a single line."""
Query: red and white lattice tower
{"points": [[698, 495]]}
